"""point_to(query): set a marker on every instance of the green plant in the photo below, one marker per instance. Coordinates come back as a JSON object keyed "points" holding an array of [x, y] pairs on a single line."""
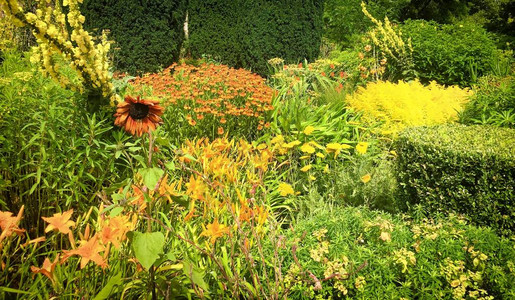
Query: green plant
{"points": [[492, 103], [343, 19], [463, 169], [51, 153], [444, 52], [364, 254], [148, 35], [367, 180], [245, 34]]}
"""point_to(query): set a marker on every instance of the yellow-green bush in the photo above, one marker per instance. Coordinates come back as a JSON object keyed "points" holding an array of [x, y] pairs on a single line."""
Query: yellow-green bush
{"points": [[406, 104]]}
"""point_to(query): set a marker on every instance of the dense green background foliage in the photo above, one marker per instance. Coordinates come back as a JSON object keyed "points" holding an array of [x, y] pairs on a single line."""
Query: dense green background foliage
{"points": [[247, 33], [493, 102], [149, 34], [446, 53], [344, 20], [465, 169]]}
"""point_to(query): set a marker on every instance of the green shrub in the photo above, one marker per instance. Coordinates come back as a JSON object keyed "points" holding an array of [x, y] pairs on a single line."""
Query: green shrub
{"points": [[449, 54], [246, 34], [149, 34], [378, 256], [493, 102], [465, 169], [343, 19]]}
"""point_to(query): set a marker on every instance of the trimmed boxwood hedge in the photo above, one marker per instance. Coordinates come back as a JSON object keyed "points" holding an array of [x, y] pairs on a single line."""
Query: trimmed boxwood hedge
{"points": [[465, 169], [245, 34], [149, 34]]}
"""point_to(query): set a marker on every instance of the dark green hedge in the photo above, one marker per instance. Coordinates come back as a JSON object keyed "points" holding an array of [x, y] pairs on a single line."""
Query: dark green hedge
{"points": [[244, 33], [149, 34], [465, 169]]}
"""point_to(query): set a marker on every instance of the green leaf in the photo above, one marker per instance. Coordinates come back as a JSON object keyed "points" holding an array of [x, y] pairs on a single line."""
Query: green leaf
{"points": [[116, 211], [147, 246], [151, 176], [170, 166], [11, 290], [196, 276], [107, 290]]}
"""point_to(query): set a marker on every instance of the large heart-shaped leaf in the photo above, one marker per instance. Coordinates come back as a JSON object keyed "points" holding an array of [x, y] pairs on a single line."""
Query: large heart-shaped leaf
{"points": [[151, 176], [147, 247]]}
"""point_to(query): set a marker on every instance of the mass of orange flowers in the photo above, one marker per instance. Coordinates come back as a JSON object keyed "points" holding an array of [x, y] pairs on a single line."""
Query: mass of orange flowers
{"points": [[211, 92]]}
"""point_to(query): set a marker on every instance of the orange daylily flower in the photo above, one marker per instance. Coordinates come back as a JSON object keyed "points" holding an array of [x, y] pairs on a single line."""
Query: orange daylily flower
{"points": [[214, 231], [47, 269], [89, 251], [114, 230], [9, 224], [60, 222]]}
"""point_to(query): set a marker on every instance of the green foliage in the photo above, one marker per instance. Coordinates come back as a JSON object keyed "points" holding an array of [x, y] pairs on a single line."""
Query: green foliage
{"points": [[492, 13], [344, 20], [313, 95], [449, 54], [248, 33], [493, 103], [50, 153], [465, 169], [380, 192], [148, 34], [364, 254]]}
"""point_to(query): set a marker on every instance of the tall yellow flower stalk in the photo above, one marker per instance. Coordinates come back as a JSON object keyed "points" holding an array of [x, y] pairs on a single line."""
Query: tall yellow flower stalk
{"points": [[390, 41], [63, 34]]}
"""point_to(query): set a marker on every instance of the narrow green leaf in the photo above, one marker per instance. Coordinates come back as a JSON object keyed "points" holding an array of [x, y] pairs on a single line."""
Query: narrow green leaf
{"points": [[107, 290]]}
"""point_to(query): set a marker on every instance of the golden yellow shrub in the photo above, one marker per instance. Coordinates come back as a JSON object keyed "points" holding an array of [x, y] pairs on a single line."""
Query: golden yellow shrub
{"points": [[406, 104]]}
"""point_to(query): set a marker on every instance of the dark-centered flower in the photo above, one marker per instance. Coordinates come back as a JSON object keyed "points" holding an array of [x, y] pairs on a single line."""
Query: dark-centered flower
{"points": [[138, 116]]}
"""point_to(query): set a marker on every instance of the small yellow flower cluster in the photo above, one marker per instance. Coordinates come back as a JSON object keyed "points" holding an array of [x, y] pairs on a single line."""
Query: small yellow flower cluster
{"points": [[385, 228], [404, 258], [465, 283], [50, 27]]}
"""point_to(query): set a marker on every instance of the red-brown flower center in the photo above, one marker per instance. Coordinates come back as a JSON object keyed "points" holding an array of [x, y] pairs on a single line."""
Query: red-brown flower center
{"points": [[138, 111]]}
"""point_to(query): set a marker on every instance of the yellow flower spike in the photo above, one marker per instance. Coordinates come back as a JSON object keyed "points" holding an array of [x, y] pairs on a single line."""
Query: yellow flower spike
{"points": [[309, 130], [312, 178], [306, 168], [326, 169], [307, 148], [366, 178], [321, 155], [362, 147], [305, 157]]}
